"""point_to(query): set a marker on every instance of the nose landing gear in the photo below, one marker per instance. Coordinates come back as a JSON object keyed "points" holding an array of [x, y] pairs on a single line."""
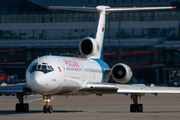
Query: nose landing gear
{"points": [[47, 108]]}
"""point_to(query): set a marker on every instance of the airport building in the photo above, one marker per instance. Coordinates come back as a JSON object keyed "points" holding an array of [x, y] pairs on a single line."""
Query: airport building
{"points": [[148, 41]]}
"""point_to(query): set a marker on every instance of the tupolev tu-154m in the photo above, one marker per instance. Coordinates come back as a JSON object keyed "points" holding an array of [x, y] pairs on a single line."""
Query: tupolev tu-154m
{"points": [[59, 75]]}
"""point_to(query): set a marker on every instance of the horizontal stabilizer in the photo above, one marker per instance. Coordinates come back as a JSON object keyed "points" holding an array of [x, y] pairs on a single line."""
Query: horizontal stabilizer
{"points": [[91, 9], [108, 9], [137, 8]]}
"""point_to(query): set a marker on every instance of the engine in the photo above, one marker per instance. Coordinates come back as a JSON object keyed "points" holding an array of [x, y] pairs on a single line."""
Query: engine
{"points": [[121, 73], [88, 47]]}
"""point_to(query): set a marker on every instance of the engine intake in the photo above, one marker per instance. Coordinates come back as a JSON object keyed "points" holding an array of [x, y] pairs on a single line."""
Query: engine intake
{"points": [[121, 73], [88, 46]]}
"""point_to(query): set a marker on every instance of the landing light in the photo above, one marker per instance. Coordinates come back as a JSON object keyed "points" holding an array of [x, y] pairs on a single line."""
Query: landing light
{"points": [[47, 100]]}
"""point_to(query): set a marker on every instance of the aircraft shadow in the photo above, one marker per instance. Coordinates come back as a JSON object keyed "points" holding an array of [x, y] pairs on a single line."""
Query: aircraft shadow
{"points": [[161, 111], [10, 112]]}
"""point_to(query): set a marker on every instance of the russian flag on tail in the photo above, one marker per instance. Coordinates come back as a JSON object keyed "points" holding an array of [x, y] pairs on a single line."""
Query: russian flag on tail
{"points": [[103, 29]]}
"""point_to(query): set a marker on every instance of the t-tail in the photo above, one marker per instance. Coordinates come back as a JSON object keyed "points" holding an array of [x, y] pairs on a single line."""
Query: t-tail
{"points": [[93, 47]]}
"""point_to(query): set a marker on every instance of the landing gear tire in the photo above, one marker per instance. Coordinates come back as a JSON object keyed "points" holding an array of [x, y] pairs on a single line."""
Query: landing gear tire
{"points": [[136, 108], [22, 107], [18, 107], [50, 109], [25, 107], [139, 108], [133, 108], [45, 109]]}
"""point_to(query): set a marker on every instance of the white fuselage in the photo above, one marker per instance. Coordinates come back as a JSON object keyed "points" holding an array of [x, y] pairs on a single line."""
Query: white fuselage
{"points": [[63, 75]]}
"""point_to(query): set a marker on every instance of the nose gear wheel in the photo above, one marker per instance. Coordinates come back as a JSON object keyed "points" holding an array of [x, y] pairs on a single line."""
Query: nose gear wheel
{"points": [[47, 108]]}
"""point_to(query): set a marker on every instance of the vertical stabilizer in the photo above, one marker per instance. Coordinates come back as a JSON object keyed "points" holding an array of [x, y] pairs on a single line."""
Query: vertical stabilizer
{"points": [[93, 47], [100, 30]]}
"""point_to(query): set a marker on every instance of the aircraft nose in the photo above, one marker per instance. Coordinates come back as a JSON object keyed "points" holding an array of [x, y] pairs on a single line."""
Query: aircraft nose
{"points": [[38, 78], [37, 81]]}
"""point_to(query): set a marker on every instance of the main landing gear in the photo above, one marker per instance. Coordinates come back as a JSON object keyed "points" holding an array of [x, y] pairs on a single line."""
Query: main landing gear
{"points": [[136, 107], [21, 106], [47, 108]]}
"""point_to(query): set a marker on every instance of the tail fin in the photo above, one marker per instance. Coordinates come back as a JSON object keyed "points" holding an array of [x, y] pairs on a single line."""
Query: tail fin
{"points": [[103, 11]]}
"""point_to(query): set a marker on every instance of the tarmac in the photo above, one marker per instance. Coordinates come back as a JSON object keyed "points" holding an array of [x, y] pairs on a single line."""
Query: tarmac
{"points": [[92, 107]]}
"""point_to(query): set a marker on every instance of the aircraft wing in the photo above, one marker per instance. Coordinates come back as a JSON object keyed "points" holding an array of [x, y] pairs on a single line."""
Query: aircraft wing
{"points": [[21, 87], [140, 88], [127, 89], [95, 87]]}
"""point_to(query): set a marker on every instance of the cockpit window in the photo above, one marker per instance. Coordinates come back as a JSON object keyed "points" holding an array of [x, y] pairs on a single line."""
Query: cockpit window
{"points": [[44, 67], [39, 67], [34, 67], [51, 68]]}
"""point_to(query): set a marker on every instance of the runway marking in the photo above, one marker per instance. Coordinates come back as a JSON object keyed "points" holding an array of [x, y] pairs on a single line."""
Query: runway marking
{"points": [[34, 100], [90, 111]]}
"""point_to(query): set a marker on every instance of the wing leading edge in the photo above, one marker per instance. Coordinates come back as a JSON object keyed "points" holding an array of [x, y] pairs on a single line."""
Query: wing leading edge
{"points": [[127, 89], [135, 89], [17, 88]]}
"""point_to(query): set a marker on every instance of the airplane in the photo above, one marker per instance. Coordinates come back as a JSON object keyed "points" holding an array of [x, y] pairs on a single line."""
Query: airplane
{"points": [[59, 75]]}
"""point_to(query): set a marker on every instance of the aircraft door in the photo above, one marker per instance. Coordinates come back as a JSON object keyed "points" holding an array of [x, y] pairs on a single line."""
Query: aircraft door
{"points": [[63, 69], [83, 75]]}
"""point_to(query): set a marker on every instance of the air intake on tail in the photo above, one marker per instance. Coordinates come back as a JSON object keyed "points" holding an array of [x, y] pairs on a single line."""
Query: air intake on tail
{"points": [[88, 47]]}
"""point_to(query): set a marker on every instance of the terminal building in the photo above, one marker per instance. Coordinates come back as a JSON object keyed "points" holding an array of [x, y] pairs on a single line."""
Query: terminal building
{"points": [[148, 41]]}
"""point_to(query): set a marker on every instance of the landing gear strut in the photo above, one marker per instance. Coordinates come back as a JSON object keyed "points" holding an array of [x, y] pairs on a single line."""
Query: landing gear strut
{"points": [[47, 108], [21, 106], [136, 107]]}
